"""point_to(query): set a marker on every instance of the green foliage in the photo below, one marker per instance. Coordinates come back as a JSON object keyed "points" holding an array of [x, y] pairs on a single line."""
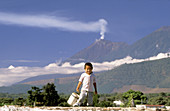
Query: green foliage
{"points": [[100, 100], [19, 101], [106, 100], [134, 97], [119, 96], [50, 95], [159, 99], [35, 95], [95, 99], [64, 104], [46, 96], [12, 99], [6, 101], [105, 104]]}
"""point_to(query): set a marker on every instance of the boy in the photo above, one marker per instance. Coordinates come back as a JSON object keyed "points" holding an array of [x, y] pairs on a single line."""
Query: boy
{"points": [[89, 80]]}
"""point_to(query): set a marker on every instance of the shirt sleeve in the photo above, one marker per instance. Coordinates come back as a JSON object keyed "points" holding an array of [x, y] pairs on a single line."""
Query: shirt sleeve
{"points": [[81, 78]]}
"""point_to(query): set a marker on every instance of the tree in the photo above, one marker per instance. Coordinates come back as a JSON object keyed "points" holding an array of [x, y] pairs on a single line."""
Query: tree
{"points": [[134, 97], [46, 96], [51, 96], [35, 95], [160, 99]]}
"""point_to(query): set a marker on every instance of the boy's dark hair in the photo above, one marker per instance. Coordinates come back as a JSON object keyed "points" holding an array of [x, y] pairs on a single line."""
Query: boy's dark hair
{"points": [[88, 64]]}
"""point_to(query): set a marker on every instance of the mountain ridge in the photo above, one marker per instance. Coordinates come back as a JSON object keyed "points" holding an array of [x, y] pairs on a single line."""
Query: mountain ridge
{"points": [[102, 50], [95, 51]]}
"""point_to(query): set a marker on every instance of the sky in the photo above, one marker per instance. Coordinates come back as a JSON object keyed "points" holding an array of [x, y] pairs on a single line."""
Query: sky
{"points": [[37, 33]]}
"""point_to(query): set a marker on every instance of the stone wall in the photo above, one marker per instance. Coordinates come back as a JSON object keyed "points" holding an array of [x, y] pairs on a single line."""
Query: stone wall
{"points": [[16, 108]]}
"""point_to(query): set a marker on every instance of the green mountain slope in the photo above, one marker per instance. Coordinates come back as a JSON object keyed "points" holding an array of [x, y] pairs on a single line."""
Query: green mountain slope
{"points": [[153, 74], [15, 89]]}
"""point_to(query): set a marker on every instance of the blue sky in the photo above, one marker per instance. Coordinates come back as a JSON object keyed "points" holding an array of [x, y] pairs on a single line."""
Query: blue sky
{"points": [[24, 45]]}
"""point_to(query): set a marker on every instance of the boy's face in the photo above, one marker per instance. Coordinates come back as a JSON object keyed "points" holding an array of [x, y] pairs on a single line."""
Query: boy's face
{"points": [[88, 69]]}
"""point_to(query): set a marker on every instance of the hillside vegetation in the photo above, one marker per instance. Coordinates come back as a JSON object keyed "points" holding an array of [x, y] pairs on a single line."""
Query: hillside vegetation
{"points": [[153, 74]]}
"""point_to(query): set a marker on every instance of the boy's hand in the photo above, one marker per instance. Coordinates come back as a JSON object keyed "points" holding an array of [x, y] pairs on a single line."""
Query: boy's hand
{"points": [[77, 90]]}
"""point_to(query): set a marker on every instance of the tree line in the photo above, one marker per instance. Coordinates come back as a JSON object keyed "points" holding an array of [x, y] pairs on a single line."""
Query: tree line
{"points": [[48, 96]]}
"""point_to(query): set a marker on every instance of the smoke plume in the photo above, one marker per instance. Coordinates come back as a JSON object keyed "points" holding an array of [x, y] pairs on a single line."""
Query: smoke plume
{"points": [[103, 24], [46, 21]]}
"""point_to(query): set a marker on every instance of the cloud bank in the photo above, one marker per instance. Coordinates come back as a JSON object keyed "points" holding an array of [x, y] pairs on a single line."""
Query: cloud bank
{"points": [[46, 21], [13, 74]]}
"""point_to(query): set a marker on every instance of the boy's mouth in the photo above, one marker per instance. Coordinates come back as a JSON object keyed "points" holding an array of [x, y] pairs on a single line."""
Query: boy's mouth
{"points": [[88, 72]]}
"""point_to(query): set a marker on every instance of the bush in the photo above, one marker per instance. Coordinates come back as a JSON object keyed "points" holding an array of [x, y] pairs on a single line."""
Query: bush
{"points": [[105, 104], [64, 104]]}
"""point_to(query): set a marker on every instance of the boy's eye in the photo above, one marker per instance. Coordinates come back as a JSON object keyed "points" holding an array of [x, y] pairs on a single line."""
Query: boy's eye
{"points": [[89, 69]]}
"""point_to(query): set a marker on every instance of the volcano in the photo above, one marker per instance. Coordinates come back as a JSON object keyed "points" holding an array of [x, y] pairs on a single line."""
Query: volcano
{"points": [[99, 49]]}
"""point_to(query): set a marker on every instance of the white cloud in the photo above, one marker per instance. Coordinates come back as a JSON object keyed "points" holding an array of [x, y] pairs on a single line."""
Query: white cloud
{"points": [[13, 74], [46, 21]]}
